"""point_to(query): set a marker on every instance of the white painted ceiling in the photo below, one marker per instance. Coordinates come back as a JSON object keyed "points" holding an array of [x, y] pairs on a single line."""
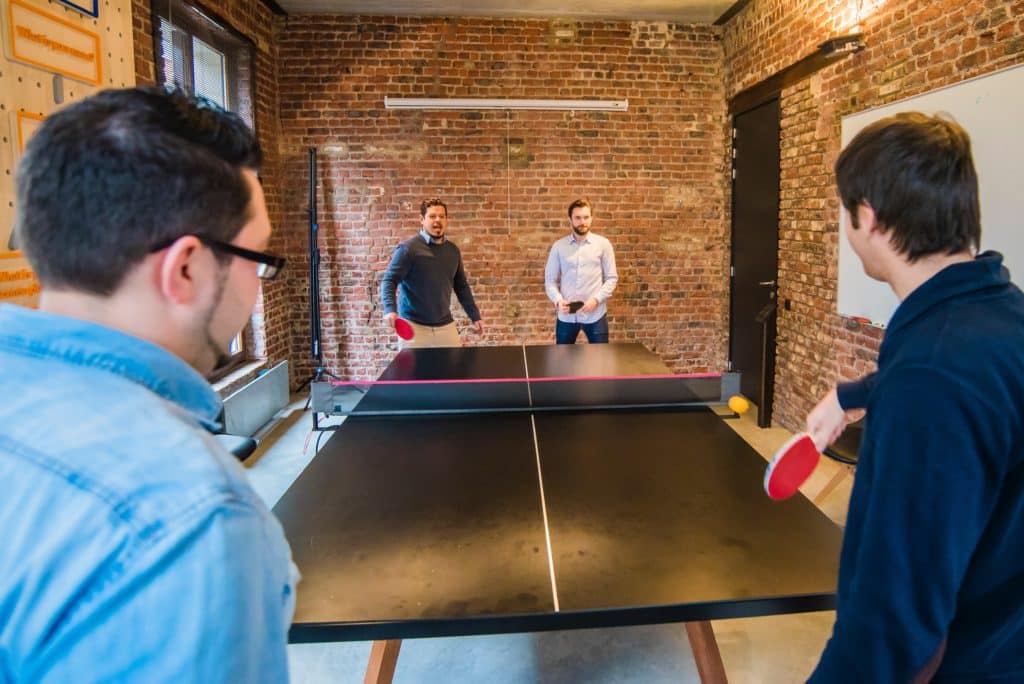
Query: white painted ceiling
{"points": [[679, 11]]}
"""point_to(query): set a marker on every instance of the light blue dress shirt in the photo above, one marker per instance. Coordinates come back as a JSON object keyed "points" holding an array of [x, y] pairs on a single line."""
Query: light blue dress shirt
{"points": [[579, 269], [132, 548]]}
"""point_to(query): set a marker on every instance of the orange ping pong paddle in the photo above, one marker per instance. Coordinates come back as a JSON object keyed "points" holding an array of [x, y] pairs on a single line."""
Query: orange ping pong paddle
{"points": [[792, 464], [404, 329]]}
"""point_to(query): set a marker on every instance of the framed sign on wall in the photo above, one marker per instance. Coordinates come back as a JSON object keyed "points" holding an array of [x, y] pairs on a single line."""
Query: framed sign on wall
{"points": [[90, 7], [50, 42]]}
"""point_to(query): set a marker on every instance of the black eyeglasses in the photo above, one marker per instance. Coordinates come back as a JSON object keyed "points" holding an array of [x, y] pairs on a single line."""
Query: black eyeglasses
{"points": [[268, 265]]}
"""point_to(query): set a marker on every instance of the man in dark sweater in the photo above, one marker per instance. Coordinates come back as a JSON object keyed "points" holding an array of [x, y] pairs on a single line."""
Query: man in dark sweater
{"points": [[931, 577], [425, 269]]}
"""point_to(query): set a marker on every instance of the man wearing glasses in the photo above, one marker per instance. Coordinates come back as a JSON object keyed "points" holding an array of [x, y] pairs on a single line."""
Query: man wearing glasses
{"points": [[425, 269], [134, 548]]}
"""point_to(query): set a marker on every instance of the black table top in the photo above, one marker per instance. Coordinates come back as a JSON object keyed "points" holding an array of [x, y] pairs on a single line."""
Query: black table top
{"points": [[418, 526]]}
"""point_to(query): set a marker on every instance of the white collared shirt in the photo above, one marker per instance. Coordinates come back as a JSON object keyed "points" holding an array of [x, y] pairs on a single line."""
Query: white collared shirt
{"points": [[578, 269]]}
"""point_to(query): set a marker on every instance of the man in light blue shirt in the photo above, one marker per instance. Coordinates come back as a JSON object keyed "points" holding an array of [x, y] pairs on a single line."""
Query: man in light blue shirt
{"points": [[579, 279], [134, 549]]}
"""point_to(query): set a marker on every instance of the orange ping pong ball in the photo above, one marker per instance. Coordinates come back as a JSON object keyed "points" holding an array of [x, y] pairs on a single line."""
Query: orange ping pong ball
{"points": [[738, 404]]}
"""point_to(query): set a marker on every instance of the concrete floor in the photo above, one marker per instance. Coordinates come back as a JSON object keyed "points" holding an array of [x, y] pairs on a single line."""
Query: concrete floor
{"points": [[755, 650]]}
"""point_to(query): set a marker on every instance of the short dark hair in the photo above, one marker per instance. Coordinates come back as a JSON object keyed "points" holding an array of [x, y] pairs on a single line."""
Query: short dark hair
{"points": [[432, 202], [576, 204], [105, 179], [917, 174]]}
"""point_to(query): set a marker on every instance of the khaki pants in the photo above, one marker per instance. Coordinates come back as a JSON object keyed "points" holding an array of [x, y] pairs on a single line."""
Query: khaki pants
{"points": [[433, 336]]}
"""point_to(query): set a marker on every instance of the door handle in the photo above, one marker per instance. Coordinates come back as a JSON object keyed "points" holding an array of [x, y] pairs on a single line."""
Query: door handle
{"points": [[767, 283]]}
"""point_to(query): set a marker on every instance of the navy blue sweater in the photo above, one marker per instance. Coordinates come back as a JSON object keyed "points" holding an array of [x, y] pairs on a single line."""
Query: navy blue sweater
{"points": [[425, 275], [934, 543]]}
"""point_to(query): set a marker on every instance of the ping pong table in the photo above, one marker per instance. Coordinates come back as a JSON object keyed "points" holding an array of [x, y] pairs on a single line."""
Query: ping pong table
{"points": [[487, 522]]}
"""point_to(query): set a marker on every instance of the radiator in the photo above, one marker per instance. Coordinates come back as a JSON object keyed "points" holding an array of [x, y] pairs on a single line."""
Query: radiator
{"points": [[252, 406]]}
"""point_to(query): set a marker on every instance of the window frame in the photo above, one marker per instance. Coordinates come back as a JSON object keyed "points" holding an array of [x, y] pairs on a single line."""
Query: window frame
{"points": [[194, 21]]}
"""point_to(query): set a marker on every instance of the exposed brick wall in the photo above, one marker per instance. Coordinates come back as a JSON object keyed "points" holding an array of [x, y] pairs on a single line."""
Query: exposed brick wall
{"points": [[656, 174], [255, 22], [913, 47], [142, 30]]}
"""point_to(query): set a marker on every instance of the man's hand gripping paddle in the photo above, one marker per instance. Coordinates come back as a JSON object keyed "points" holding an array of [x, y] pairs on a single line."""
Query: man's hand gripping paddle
{"points": [[404, 329]]}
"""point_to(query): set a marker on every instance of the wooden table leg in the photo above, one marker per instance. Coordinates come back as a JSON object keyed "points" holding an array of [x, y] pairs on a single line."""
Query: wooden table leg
{"points": [[841, 474], [705, 652], [383, 659]]}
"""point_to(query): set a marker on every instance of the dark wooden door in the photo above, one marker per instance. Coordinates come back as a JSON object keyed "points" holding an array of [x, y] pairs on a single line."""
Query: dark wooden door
{"points": [[755, 248]]}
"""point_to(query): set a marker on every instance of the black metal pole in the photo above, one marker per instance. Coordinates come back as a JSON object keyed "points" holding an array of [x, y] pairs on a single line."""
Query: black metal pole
{"points": [[316, 346], [314, 268]]}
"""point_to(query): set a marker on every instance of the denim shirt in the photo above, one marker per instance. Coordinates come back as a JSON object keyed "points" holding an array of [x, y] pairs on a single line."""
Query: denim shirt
{"points": [[132, 547]]}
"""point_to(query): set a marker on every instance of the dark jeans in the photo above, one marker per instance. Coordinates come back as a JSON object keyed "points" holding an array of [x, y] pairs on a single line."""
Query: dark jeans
{"points": [[596, 332]]}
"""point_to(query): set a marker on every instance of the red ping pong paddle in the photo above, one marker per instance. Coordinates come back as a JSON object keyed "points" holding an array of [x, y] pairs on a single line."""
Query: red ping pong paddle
{"points": [[792, 464], [404, 329]]}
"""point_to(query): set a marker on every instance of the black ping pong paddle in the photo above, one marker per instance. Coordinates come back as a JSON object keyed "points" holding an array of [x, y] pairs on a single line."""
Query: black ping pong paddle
{"points": [[575, 306]]}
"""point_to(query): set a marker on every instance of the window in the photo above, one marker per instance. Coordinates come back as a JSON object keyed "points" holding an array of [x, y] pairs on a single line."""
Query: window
{"points": [[201, 55]]}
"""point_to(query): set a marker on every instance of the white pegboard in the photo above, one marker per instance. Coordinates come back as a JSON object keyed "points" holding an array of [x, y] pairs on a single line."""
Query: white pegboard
{"points": [[25, 88]]}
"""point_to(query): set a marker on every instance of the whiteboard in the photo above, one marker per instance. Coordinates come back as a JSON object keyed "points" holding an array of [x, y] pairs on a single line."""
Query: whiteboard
{"points": [[991, 109]]}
